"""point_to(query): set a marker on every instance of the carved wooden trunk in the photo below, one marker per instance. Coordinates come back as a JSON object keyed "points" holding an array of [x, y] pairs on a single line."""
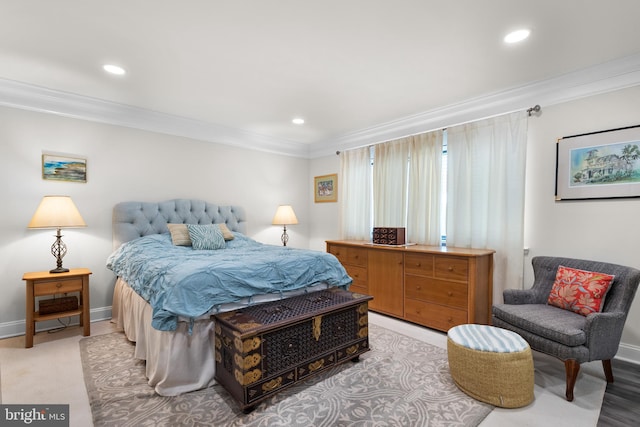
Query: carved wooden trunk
{"points": [[265, 348]]}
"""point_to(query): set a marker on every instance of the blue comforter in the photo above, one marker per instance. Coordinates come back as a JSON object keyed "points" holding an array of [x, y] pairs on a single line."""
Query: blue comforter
{"points": [[181, 281]]}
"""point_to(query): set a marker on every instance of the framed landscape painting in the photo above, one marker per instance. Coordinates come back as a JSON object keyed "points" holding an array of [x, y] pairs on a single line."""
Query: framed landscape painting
{"points": [[64, 168], [599, 165], [325, 188]]}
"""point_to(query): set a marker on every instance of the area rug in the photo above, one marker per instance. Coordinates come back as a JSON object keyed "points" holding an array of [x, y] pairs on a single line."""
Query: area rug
{"points": [[400, 382]]}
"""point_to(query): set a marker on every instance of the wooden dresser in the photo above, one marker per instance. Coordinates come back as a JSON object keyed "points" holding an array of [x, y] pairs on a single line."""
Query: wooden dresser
{"points": [[437, 287]]}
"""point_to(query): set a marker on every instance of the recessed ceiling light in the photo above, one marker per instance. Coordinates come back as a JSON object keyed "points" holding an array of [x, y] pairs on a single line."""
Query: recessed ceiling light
{"points": [[517, 36], [114, 69], [298, 121]]}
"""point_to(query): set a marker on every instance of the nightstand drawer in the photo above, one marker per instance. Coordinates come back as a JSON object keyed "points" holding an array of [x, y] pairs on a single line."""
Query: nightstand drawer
{"points": [[61, 286]]}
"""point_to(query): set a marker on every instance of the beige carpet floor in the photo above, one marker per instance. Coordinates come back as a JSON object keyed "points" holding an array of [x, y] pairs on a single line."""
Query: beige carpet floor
{"points": [[51, 372]]}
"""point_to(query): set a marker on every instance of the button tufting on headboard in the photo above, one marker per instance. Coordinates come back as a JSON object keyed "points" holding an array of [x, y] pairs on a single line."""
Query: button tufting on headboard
{"points": [[136, 219]]}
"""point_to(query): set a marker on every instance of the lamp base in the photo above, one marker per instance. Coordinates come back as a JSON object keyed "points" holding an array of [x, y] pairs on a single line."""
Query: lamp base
{"points": [[59, 250]]}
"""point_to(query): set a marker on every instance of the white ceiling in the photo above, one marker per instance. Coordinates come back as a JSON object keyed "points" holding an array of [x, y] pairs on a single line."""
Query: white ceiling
{"points": [[346, 66]]}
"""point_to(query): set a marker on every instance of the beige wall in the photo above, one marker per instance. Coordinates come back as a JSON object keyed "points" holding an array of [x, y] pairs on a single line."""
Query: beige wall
{"points": [[606, 230]]}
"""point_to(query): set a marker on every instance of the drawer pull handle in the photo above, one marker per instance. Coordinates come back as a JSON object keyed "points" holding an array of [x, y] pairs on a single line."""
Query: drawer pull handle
{"points": [[58, 285], [418, 288], [450, 293], [418, 265], [450, 268], [272, 385]]}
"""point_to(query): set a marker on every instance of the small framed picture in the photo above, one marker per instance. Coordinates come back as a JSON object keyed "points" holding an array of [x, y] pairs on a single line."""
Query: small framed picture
{"points": [[599, 165], [325, 188], [64, 168]]}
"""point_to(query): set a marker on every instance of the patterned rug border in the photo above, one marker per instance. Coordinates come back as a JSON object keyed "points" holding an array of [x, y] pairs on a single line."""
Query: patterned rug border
{"points": [[401, 382]]}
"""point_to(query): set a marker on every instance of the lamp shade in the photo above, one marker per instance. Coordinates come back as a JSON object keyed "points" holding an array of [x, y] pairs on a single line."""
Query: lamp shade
{"points": [[56, 212], [285, 216]]}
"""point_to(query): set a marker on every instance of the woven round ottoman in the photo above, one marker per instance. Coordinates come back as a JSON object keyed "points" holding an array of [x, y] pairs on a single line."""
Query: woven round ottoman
{"points": [[491, 364]]}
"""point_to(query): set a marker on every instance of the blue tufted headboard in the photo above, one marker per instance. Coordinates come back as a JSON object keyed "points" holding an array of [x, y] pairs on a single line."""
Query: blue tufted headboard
{"points": [[136, 219]]}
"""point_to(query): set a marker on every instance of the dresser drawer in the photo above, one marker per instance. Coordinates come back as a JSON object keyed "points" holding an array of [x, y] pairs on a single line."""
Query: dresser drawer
{"points": [[49, 287], [359, 288], [357, 256], [434, 315], [421, 264], [358, 274], [349, 255], [451, 268], [453, 294]]}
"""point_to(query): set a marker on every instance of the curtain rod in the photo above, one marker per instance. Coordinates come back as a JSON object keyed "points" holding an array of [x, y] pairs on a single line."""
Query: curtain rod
{"points": [[535, 109], [530, 112]]}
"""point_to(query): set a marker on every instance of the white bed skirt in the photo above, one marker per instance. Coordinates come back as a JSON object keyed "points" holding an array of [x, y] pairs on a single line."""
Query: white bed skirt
{"points": [[176, 361]]}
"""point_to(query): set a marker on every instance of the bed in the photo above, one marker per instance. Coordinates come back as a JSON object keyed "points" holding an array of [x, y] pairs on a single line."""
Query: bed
{"points": [[166, 292]]}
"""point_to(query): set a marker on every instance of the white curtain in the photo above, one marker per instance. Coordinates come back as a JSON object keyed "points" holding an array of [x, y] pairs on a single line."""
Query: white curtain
{"points": [[485, 193], [355, 194], [390, 168], [425, 173]]}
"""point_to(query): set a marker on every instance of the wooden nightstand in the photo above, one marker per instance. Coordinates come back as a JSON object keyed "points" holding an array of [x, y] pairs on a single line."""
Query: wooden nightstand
{"points": [[43, 283]]}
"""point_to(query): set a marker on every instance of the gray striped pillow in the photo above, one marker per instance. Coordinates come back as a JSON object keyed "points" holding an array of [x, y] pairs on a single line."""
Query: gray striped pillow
{"points": [[206, 236]]}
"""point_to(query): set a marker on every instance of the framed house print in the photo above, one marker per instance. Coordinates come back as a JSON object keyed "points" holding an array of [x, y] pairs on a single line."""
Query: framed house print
{"points": [[325, 188], [64, 168], [599, 165]]}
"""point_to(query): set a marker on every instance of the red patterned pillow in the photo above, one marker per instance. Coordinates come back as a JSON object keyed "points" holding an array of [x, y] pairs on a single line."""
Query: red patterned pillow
{"points": [[579, 291]]}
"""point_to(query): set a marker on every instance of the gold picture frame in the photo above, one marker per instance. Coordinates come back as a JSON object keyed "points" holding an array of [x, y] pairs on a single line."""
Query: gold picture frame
{"points": [[325, 188]]}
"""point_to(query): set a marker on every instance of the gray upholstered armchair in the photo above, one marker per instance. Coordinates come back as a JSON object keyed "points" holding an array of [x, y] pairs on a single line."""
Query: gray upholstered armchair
{"points": [[571, 337]]}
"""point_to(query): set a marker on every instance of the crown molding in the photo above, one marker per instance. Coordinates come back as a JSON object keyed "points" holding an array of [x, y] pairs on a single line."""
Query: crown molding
{"points": [[43, 100], [607, 77], [610, 76]]}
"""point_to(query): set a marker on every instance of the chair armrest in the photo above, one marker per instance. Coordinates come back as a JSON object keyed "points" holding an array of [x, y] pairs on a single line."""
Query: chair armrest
{"points": [[604, 331], [519, 296]]}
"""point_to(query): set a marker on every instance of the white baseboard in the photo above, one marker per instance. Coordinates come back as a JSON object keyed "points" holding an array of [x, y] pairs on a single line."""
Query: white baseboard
{"points": [[629, 353], [17, 327]]}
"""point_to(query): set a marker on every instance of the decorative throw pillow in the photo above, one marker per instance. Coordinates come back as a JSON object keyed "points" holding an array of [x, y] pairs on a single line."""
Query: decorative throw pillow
{"points": [[579, 291], [226, 233], [206, 236], [179, 234]]}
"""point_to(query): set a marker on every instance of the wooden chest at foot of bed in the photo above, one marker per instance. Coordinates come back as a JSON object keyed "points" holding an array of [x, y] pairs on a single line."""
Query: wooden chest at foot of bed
{"points": [[265, 348]]}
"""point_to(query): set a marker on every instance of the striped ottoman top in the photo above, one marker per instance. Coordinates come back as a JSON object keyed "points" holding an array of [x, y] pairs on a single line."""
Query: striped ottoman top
{"points": [[487, 338]]}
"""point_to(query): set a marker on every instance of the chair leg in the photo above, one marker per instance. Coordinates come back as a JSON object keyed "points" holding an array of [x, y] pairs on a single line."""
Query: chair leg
{"points": [[572, 367], [608, 371]]}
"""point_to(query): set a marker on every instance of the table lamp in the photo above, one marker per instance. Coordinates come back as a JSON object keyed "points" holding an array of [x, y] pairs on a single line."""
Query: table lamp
{"points": [[284, 216], [57, 212]]}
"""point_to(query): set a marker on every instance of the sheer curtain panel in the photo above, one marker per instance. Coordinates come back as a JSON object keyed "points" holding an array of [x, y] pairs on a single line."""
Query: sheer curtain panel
{"points": [[355, 194], [390, 168], [425, 177], [485, 192]]}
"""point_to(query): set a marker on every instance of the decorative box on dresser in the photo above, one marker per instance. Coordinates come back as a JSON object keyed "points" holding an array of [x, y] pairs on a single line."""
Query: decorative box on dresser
{"points": [[437, 287]]}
